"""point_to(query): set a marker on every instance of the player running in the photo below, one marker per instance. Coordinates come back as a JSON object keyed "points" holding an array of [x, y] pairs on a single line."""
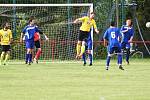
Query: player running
{"points": [[6, 40], [87, 23], [88, 49], [113, 36], [29, 32], [127, 33]]}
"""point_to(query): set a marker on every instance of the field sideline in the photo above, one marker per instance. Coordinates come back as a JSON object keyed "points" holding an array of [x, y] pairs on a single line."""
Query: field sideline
{"points": [[72, 81]]}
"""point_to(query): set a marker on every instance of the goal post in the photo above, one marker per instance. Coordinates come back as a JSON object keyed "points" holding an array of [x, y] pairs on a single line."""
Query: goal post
{"points": [[55, 20]]}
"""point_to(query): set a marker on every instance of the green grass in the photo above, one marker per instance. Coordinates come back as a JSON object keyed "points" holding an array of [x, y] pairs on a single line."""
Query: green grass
{"points": [[72, 81]]}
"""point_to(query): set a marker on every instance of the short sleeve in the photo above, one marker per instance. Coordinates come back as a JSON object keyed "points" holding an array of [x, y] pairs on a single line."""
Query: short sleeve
{"points": [[105, 35], [10, 34], [94, 24], [82, 18]]}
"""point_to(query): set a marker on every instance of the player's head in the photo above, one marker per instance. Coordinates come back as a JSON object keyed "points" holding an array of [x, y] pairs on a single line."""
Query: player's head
{"points": [[112, 23], [32, 20], [92, 14], [129, 22], [6, 25]]}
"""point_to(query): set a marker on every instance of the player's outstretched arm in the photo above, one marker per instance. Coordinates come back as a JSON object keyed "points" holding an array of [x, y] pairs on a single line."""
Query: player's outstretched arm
{"points": [[105, 42], [97, 31], [76, 21]]}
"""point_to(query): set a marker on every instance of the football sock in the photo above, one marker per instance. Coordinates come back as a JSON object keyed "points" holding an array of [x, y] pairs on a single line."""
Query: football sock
{"points": [[119, 59], [30, 58], [6, 57], [2, 56], [82, 49], [108, 60], [37, 56], [84, 58], [27, 57], [78, 49], [90, 57]]}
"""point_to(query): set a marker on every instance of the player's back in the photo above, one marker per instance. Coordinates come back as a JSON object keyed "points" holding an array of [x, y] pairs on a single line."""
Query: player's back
{"points": [[113, 36]]}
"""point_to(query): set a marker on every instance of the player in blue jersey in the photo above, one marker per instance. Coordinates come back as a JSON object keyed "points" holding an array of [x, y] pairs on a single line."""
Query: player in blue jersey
{"points": [[28, 33], [127, 33], [113, 36], [88, 50]]}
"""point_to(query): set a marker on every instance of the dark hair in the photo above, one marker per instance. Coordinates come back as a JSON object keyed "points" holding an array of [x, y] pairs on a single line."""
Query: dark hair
{"points": [[4, 24], [112, 23], [31, 18]]}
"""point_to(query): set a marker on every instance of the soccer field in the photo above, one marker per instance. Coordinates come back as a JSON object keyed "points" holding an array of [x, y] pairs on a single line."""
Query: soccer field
{"points": [[72, 81]]}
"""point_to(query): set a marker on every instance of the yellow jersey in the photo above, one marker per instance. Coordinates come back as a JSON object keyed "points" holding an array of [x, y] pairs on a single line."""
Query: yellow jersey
{"points": [[5, 36], [87, 23]]}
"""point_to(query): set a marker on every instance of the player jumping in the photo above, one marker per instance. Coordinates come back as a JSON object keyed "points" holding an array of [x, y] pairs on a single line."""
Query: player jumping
{"points": [[6, 39], [113, 36], [127, 33], [87, 23]]}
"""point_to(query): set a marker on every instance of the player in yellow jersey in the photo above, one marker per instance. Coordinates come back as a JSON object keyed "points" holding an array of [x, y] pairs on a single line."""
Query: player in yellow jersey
{"points": [[5, 40], [87, 23]]}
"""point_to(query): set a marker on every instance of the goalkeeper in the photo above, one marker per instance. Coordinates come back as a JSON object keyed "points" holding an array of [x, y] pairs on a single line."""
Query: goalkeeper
{"points": [[6, 39], [38, 45], [87, 23]]}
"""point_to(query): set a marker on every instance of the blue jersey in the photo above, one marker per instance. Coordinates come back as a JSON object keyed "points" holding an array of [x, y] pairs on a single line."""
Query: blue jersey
{"points": [[112, 35], [29, 32], [127, 35]]}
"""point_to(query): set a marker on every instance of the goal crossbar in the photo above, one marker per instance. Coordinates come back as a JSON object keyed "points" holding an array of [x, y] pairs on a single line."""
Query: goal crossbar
{"points": [[34, 5]]}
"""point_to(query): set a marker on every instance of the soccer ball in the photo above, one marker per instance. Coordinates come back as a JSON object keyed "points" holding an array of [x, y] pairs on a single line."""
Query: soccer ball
{"points": [[148, 24]]}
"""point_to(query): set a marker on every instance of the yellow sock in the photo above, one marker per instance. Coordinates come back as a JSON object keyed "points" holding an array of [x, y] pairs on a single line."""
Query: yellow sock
{"points": [[6, 57], [82, 49], [2, 57], [78, 49]]}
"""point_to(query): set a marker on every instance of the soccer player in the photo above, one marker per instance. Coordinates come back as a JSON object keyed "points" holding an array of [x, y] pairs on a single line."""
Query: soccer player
{"points": [[38, 45], [113, 36], [87, 23], [127, 33], [28, 32], [88, 50], [6, 39]]}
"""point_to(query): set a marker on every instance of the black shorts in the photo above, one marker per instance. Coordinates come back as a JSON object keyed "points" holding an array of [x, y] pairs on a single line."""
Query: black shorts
{"points": [[83, 35], [37, 44], [6, 48]]}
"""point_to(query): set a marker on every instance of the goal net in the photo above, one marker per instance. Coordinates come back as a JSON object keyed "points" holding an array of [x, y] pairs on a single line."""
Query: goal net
{"points": [[55, 20]]}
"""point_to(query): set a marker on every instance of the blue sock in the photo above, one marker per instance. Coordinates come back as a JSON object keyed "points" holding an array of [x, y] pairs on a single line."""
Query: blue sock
{"points": [[27, 57], [119, 59], [30, 57], [127, 57], [84, 58], [108, 60], [90, 57]]}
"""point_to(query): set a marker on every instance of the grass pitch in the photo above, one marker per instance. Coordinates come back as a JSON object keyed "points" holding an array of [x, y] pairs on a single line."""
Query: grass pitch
{"points": [[72, 81]]}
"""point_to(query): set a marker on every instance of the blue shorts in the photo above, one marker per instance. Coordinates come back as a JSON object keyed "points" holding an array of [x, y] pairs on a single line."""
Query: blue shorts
{"points": [[29, 44], [112, 50], [125, 45]]}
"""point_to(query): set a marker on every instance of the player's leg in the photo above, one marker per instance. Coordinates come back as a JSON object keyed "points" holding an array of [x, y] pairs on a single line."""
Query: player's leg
{"points": [[89, 52], [2, 54], [119, 54], [39, 51], [7, 54], [128, 52], [110, 53], [84, 59], [79, 43], [84, 40]]}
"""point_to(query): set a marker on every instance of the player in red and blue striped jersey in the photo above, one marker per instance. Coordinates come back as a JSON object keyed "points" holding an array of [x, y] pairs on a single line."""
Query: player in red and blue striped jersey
{"points": [[28, 33], [127, 33], [113, 36]]}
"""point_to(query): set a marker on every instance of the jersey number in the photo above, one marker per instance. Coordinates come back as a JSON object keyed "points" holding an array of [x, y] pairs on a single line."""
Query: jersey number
{"points": [[113, 35]]}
